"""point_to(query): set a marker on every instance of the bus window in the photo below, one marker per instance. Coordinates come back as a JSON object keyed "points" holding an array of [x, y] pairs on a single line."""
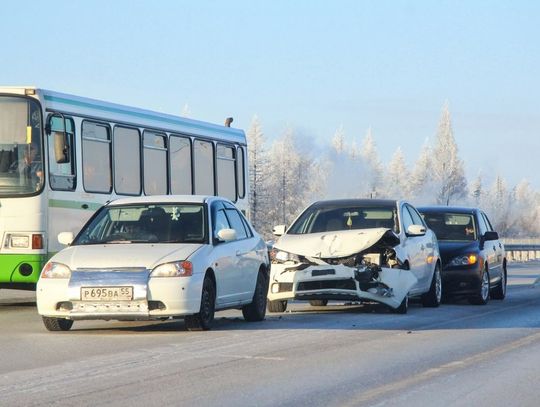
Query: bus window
{"points": [[226, 185], [240, 171], [61, 153], [155, 163], [96, 157], [203, 157], [180, 159], [127, 161]]}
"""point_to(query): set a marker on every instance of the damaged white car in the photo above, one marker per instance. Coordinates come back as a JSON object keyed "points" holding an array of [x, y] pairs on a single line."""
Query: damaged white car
{"points": [[356, 250]]}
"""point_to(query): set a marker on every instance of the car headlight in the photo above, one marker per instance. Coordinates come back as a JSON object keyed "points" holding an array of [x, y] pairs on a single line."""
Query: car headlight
{"points": [[55, 270], [464, 260], [175, 269], [280, 256]]}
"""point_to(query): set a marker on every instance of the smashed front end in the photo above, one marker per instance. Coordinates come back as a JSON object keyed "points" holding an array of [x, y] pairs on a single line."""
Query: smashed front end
{"points": [[353, 265]]}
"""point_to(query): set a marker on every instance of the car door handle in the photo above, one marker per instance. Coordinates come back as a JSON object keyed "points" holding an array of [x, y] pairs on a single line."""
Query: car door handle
{"points": [[494, 248], [239, 253], [422, 247]]}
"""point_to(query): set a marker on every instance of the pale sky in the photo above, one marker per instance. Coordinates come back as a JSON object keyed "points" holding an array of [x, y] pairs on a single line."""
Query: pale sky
{"points": [[311, 65]]}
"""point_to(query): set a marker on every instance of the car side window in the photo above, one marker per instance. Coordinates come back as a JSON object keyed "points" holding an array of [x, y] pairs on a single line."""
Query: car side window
{"points": [[219, 219], [236, 223], [417, 219], [482, 224], [488, 223], [406, 219]]}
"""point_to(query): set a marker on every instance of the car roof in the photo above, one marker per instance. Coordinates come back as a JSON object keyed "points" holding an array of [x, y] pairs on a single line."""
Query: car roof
{"points": [[383, 203], [447, 209], [164, 199]]}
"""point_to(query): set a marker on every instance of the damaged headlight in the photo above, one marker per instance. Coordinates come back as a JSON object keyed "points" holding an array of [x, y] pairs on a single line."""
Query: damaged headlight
{"points": [[465, 260], [280, 256]]}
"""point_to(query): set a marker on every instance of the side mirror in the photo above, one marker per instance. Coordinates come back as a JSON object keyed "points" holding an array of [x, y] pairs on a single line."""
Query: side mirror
{"points": [[61, 147], [416, 230], [226, 235], [491, 235], [65, 238], [279, 230]]}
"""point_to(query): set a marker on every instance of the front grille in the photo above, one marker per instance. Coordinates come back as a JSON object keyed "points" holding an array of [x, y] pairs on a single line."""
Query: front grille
{"points": [[347, 284]]}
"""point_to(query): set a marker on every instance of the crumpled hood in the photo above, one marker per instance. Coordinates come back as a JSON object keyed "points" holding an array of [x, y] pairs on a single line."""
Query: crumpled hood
{"points": [[123, 255], [335, 244]]}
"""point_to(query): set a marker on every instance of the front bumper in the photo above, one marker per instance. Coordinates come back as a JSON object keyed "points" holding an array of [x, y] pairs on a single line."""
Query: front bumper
{"points": [[153, 298], [461, 280], [339, 282]]}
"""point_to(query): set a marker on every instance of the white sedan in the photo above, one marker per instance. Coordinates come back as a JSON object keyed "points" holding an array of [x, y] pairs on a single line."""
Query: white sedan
{"points": [[356, 250], [157, 257]]}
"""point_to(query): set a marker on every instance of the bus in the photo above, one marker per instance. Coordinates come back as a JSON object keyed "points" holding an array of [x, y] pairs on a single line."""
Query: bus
{"points": [[63, 156]]}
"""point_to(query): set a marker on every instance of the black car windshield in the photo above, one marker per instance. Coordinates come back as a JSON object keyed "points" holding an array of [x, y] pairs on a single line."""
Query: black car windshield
{"points": [[150, 223], [452, 226], [327, 219]]}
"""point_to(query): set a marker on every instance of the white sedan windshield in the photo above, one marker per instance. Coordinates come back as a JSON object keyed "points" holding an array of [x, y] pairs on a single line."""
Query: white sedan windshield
{"points": [[155, 223]]}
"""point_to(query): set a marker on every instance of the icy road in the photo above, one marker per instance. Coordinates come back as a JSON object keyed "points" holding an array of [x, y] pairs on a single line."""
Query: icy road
{"points": [[457, 355]]}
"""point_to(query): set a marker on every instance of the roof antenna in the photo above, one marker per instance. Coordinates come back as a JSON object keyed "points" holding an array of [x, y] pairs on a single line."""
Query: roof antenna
{"points": [[228, 121]]}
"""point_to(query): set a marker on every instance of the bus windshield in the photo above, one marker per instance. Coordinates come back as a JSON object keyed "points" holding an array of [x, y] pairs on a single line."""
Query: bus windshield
{"points": [[21, 151]]}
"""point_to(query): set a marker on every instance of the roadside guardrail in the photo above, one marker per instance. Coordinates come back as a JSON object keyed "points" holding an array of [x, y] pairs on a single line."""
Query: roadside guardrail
{"points": [[516, 251]]}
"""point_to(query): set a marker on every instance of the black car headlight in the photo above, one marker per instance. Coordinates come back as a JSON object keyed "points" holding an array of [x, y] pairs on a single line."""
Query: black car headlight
{"points": [[464, 260]]}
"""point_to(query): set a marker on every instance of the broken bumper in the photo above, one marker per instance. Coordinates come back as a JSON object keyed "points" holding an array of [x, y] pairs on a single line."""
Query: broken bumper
{"points": [[338, 282]]}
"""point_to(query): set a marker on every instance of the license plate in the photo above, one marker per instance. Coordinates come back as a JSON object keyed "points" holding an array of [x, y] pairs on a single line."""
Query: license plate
{"points": [[106, 293]]}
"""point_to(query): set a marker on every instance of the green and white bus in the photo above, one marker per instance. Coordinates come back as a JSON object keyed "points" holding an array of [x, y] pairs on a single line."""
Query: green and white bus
{"points": [[63, 156]]}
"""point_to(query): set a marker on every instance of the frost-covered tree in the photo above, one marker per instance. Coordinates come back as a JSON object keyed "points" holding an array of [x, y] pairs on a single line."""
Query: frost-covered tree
{"points": [[525, 211], [476, 191], [293, 180], [259, 174], [397, 177], [498, 206], [372, 174], [421, 181], [448, 172], [338, 141]]}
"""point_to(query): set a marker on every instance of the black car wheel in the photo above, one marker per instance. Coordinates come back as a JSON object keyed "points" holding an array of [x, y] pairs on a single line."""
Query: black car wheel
{"points": [[202, 321], [257, 309], [499, 292], [434, 296], [482, 296]]}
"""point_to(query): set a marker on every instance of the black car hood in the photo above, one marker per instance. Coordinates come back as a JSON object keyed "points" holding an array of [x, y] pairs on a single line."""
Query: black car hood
{"points": [[449, 249]]}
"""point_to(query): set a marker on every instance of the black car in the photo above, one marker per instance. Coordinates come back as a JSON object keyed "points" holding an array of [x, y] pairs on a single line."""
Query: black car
{"points": [[473, 258]]}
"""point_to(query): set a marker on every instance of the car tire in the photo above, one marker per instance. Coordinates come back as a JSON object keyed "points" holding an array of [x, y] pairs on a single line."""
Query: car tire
{"points": [[256, 310], [202, 321], [482, 296], [403, 307], [57, 324], [318, 303], [277, 306], [433, 297], [499, 292]]}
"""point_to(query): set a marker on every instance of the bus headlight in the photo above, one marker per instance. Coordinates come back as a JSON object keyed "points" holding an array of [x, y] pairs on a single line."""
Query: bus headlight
{"points": [[19, 241], [55, 270]]}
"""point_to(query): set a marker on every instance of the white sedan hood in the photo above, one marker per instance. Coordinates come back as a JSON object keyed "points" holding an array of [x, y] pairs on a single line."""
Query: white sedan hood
{"points": [[335, 244], [123, 255]]}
